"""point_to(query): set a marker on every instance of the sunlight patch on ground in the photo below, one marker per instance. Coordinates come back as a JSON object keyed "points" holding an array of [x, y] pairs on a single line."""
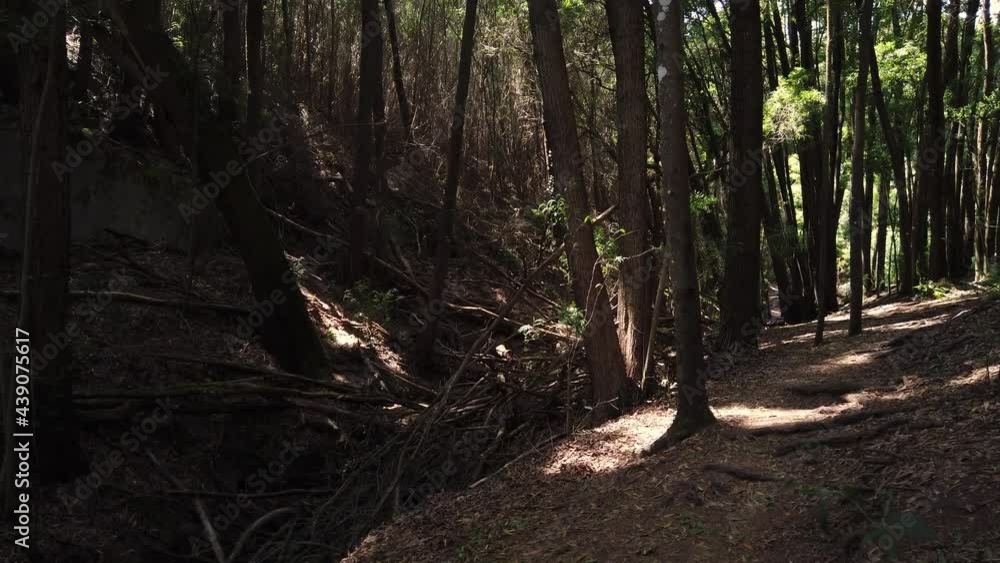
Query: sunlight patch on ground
{"points": [[612, 445], [747, 416], [981, 375]]}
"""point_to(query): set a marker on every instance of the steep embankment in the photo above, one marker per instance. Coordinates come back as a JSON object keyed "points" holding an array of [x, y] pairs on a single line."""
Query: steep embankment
{"points": [[867, 448]]}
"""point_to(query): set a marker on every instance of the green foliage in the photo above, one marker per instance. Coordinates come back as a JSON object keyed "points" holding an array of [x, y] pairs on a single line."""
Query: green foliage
{"points": [[549, 216], [571, 316], [933, 289], [370, 303], [789, 108]]}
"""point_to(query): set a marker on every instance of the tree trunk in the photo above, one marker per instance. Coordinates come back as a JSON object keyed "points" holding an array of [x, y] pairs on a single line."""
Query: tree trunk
{"points": [[84, 61], [693, 412], [366, 138], [894, 146], [44, 275], [778, 249], [625, 22], [446, 220], [933, 144], [982, 151], [232, 68], [858, 172], [826, 279], [881, 233], [740, 303], [288, 333], [288, 29], [692, 397], [604, 356], [397, 70]]}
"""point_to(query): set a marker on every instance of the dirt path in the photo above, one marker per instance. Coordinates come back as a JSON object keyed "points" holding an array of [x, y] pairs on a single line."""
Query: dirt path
{"points": [[917, 481]]}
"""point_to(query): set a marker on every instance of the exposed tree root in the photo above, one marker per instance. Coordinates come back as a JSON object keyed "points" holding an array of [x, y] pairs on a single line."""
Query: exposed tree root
{"points": [[851, 437], [742, 473], [839, 420], [809, 388], [679, 431]]}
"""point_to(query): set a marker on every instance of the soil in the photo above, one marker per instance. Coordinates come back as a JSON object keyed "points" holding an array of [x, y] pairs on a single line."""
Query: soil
{"points": [[918, 480]]}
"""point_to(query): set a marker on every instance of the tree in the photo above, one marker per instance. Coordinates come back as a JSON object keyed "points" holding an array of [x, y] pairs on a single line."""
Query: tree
{"points": [[42, 76], [604, 356], [893, 143], [446, 219], [858, 169], [693, 412], [397, 70], [826, 224], [740, 295], [625, 22], [982, 149], [288, 332], [232, 66], [371, 106], [932, 144]]}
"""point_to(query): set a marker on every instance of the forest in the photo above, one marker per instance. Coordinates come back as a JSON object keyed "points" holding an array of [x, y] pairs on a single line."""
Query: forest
{"points": [[499, 280]]}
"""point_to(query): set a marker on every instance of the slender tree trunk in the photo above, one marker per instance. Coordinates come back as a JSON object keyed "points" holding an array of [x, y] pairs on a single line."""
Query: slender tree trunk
{"points": [[693, 412], [307, 35], [232, 66], [894, 146], [881, 233], [932, 151], [44, 276], [366, 142], [446, 221], [604, 356], [777, 248], [288, 29], [740, 303], [826, 279], [982, 150], [625, 21], [867, 223], [84, 61], [397, 70], [858, 172], [255, 83]]}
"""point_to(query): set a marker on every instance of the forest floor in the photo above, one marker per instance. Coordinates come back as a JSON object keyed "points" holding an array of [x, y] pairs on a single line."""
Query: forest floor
{"points": [[880, 447]]}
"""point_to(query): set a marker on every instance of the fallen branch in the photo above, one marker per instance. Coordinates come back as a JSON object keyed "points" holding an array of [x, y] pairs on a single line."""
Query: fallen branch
{"points": [[145, 300], [741, 473]]}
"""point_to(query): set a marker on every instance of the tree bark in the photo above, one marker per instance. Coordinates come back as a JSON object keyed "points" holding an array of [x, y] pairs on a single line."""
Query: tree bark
{"points": [[604, 356], [693, 412], [982, 150], [366, 138], [625, 22], [826, 279], [446, 220], [232, 66], [740, 301], [858, 171], [894, 146], [44, 274], [397, 70], [881, 233], [933, 145]]}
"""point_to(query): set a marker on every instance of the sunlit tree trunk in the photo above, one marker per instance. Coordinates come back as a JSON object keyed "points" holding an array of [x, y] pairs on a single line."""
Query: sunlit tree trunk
{"points": [[637, 281], [604, 356], [693, 412]]}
